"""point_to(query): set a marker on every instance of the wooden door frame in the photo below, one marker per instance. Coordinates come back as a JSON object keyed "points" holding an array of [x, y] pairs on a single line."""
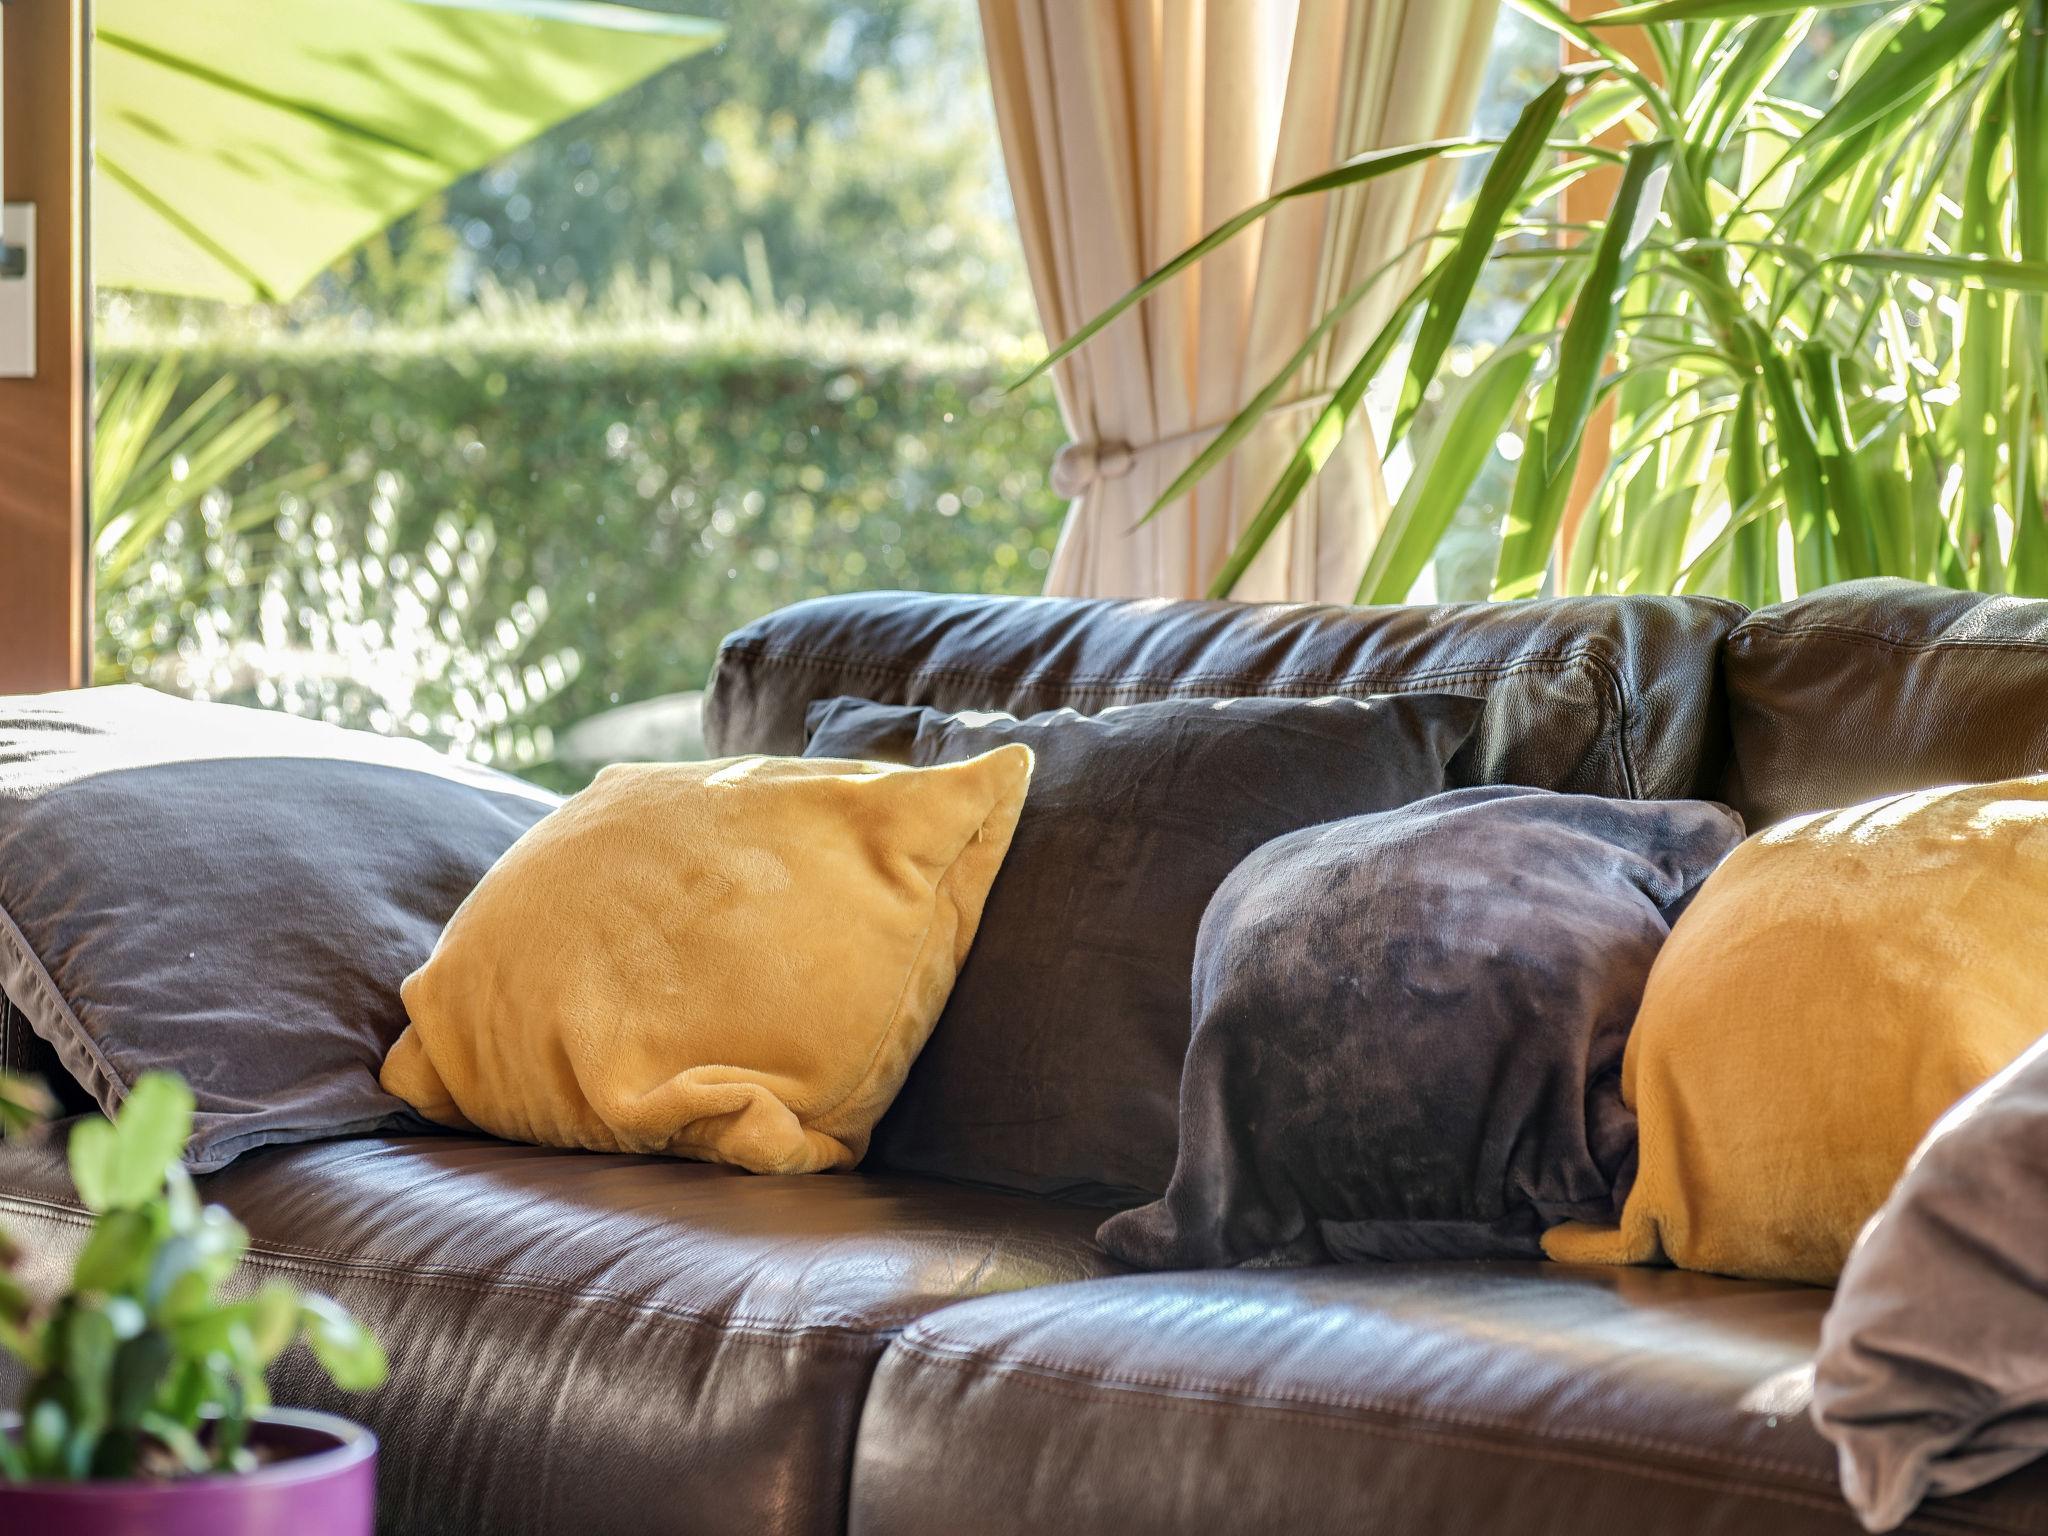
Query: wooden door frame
{"points": [[46, 421]]}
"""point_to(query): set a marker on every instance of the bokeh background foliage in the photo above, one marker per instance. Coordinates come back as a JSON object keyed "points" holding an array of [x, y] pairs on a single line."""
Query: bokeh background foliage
{"points": [[574, 510], [733, 338]]}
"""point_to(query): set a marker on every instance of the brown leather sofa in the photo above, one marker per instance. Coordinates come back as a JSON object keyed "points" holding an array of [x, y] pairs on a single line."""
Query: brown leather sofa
{"points": [[588, 1344]]}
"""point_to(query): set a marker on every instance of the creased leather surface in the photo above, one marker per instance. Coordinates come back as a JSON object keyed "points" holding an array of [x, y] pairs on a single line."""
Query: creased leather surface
{"points": [[600, 1344], [1500, 1398], [1877, 687], [1614, 696]]}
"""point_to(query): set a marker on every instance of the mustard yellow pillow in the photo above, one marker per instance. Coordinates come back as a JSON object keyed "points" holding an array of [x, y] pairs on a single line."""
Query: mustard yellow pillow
{"points": [[735, 961], [1836, 985]]}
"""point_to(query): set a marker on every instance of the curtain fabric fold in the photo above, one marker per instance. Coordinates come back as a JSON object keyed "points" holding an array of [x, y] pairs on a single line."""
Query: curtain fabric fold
{"points": [[1133, 127]]}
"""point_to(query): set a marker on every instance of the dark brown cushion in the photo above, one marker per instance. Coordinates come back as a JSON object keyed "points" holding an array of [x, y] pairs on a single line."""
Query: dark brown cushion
{"points": [[233, 895], [1589, 695], [1879, 687], [1055, 1067], [1409, 1031]]}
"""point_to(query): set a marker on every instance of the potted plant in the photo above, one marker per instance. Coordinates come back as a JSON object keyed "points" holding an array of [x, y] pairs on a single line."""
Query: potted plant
{"points": [[1803, 344], [145, 1407]]}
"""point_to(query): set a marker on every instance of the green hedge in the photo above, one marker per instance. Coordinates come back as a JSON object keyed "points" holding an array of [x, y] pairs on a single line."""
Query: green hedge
{"points": [[661, 492]]}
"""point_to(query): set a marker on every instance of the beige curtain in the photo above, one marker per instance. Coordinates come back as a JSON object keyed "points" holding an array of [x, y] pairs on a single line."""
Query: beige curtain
{"points": [[1133, 127]]}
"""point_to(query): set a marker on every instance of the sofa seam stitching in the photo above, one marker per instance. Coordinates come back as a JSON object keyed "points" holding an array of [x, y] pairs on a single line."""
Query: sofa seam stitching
{"points": [[1388, 1423], [478, 1282], [1122, 682], [1884, 642], [1419, 1428], [1407, 682], [1177, 1389]]}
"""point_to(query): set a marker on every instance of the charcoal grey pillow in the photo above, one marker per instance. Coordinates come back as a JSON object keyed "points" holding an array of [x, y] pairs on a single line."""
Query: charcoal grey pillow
{"points": [[231, 895], [1409, 1031], [1055, 1068], [1933, 1369]]}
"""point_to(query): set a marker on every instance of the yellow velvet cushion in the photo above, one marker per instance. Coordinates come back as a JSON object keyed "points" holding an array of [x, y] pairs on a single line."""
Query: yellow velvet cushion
{"points": [[735, 961], [1836, 985]]}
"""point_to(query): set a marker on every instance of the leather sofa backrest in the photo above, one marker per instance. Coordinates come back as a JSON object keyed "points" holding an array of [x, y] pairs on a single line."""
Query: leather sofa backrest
{"points": [[1877, 687], [1609, 695]]}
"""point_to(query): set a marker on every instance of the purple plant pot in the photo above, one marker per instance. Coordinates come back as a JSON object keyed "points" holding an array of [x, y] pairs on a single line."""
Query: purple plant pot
{"points": [[323, 1483]]}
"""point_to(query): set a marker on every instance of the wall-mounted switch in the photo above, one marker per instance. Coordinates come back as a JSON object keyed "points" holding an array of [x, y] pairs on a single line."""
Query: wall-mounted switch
{"points": [[18, 291]]}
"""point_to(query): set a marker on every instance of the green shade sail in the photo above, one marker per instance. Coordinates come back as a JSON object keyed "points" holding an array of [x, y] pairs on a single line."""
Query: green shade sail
{"points": [[242, 147]]}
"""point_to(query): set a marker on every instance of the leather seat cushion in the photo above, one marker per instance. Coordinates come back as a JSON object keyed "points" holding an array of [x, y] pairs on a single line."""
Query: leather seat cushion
{"points": [[1399, 1400], [583, 1342]]}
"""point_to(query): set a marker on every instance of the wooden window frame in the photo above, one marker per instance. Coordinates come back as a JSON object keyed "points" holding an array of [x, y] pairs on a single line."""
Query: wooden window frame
{"points": [[46, 421]]}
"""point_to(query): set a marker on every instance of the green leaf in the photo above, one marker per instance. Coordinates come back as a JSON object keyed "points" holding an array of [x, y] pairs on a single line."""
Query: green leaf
{"points": [[1651, 11], [190, 1267], [1936, 34], [86, 1346], [273, 1320], [1535, 509], [352, 114], [1261, 405], [594, 13], [348, 1352], [1476, 411], [1452, 291], [261, 1328], [1353, 172], [1755, 549], [1799, 467], [1324, 434], [1981, 352], [1852, 503], [15, 1305], [1977, 273], [141, 1367], [2030, 134], [1547, 14], [116, 1255], [1589, 335], [14, 1466], [45, 1437], [122, 1164], [1738, 78], [95, 1161]]}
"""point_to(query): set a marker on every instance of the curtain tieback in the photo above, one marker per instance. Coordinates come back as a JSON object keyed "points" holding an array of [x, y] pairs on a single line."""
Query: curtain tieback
{"points": [[1079, 467]]}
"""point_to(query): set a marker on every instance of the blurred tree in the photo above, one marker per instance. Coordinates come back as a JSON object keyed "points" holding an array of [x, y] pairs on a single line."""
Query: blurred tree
{"points": [[835, 153]]}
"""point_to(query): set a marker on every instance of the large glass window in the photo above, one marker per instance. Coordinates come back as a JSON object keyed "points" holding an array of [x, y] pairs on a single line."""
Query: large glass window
{"points": [[734, 336]]}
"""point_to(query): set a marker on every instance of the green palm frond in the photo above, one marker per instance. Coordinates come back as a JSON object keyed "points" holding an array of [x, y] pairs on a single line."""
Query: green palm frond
{"points": [[1808, 342]]}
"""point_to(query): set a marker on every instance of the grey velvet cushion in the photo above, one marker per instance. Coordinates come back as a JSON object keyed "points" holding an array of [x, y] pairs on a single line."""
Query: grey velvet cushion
{"points": [[232, 895], [1055, 1067], [1409, 1031], [1932, 1376]]}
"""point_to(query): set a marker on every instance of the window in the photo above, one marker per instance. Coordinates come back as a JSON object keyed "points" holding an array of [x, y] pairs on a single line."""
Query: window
{"points": [[733, 337]]}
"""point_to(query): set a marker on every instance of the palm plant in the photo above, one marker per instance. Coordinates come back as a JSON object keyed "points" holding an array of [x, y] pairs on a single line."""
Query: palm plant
{"points": [[1820, 329], [279, 595], [156, 457], [141, 1368]]}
